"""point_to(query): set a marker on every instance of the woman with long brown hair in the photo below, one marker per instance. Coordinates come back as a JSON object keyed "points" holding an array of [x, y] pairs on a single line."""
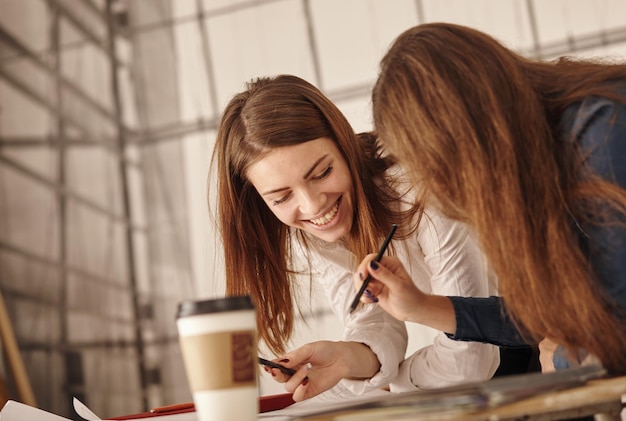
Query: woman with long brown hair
{"points": [[300, 195], [532, 155]]}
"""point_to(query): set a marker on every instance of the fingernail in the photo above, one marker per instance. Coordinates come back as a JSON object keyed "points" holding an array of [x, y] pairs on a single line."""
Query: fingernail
{"points": [[371, 296], [374, 264], [360, 276], [307, 367], [284, 360]]}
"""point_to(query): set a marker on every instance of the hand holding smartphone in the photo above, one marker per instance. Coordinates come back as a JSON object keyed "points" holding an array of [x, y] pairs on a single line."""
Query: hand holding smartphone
{"points": [[272, 364]]}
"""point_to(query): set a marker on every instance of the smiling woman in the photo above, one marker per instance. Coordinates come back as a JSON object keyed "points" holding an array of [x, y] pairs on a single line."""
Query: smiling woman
{"points": [[312, 193], [297, 188]]}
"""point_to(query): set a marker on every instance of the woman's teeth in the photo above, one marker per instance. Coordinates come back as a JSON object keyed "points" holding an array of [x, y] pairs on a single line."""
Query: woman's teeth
{"points": [[328, 217]]}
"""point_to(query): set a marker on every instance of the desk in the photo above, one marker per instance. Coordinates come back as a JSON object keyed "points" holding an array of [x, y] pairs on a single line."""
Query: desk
{"points": [[602, 398]]}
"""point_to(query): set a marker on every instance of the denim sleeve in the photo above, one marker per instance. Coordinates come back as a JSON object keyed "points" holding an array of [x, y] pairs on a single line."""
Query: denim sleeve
{"points": [[600, 130], [485, 320]]}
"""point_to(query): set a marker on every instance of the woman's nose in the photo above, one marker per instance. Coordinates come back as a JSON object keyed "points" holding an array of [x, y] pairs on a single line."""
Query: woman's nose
{"points": [[311, 203]]}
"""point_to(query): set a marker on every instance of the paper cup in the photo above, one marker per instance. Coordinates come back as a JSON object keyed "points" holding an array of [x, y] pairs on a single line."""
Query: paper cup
{"points": [[219, 347]]}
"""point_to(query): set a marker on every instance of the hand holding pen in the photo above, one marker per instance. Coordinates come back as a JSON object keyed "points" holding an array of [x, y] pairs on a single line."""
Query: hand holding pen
{"points": [[379, 256], [394, 291]]}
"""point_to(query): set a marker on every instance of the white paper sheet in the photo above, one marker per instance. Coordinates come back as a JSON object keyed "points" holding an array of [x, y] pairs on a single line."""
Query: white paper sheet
{"points": [[17, 411], [332, 399], [82, 410]]}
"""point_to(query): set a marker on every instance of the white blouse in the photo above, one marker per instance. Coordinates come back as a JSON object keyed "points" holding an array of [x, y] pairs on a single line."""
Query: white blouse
{"points": [[442, 258]]}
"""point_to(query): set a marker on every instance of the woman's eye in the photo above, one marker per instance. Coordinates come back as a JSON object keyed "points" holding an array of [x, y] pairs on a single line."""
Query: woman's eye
{"points": [[324, 174], [281, 200]]}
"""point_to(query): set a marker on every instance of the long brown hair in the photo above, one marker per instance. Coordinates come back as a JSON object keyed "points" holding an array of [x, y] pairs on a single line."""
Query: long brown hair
{"points": [[271, 113], [479, 127]]}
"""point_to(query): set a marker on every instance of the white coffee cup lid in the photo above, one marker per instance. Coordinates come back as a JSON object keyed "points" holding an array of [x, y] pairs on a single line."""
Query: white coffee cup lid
{"points": [[194, 307]]}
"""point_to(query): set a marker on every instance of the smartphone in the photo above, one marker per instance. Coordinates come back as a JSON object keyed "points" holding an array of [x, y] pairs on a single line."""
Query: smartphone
{"points": [[272, 364]]}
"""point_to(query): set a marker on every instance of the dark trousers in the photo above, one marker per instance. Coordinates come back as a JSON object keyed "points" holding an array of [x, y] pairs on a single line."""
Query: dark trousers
{"points": [[518, 360]]}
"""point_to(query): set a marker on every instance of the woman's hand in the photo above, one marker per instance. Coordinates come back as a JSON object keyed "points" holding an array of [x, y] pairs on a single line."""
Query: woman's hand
{"points": [[393, 289], [547, 348], [553, 356], [321, 365], [390, 286]]}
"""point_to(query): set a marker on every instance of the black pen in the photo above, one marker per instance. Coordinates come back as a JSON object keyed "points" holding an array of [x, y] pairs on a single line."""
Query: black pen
{"points": [[369, 277], [285, 370]]}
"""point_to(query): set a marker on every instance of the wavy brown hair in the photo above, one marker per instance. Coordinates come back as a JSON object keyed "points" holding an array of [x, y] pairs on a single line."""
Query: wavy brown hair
{"points": [[271, 113], [478, 126]]}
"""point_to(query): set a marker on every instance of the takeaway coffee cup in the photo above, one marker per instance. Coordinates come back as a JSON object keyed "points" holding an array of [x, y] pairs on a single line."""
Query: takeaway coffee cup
{"points": [[218, 343]]}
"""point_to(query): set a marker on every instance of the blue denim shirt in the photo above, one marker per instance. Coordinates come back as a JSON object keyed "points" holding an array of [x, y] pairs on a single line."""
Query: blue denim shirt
{"points": [[599, 127]]}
